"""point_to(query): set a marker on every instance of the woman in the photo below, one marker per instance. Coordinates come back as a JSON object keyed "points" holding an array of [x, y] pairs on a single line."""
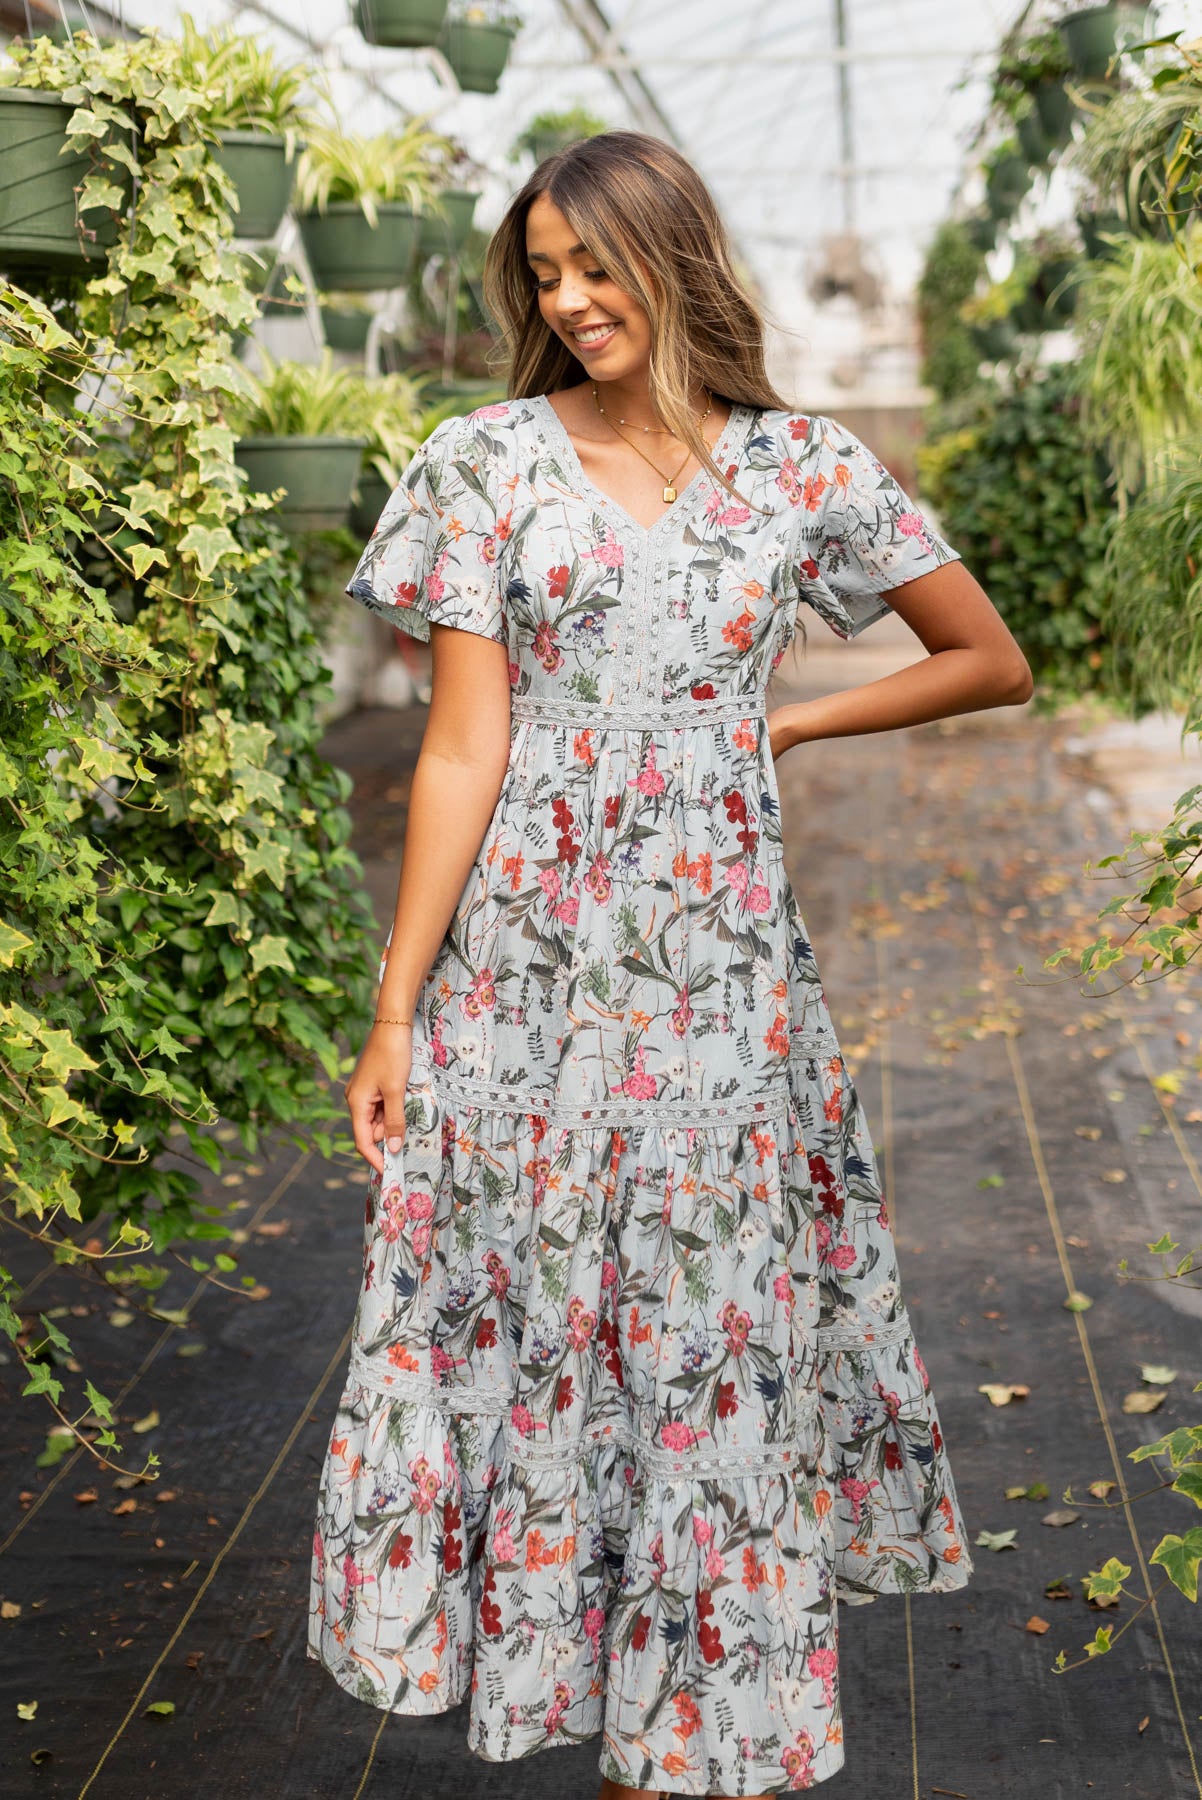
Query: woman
{"points": [[633, 1398]]}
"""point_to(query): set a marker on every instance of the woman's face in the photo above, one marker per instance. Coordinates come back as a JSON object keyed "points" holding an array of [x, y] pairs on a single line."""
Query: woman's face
{"points": [[600, 323]]}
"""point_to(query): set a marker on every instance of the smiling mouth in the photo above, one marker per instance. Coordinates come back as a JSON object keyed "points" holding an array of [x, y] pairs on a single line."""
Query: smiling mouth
{"points": [[588, 338]]}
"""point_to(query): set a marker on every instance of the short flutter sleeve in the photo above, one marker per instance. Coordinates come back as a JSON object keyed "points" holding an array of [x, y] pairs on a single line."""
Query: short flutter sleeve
{"points": [[432, 558], [859, 533]]}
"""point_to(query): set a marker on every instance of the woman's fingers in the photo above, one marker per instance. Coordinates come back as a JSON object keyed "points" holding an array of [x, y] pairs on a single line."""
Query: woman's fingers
{"points": [[366, 1110]]}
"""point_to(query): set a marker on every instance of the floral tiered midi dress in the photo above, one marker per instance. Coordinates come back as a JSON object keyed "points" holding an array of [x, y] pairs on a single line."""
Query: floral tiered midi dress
{"points": [[633, 1400]]}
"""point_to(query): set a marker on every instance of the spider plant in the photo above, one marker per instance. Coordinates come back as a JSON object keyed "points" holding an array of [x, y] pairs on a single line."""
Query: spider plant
{"points": [[1139, 318], [300, 400], [1141, 138], [405, 166], [1152, 577], [245, 88]]}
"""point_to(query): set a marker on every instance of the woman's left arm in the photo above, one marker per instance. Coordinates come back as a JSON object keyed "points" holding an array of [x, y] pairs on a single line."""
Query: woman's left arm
{"points": [[973, 662]]}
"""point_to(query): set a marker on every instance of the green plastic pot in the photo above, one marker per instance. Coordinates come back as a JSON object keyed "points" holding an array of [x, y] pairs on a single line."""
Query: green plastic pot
{"points": [[994, 339], [368, 503], [1007, 182], [549, 143], [257, 164], [345, 327], [346, 252], [477, 53], [1032, 142], [318, 472], [1054, 110], [400, 24], [1089, 37], [445, 230], [40, 228]]}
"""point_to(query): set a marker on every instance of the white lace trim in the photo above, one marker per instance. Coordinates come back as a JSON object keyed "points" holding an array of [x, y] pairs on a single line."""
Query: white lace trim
{"points": [[866, 1337], [641, 718]]}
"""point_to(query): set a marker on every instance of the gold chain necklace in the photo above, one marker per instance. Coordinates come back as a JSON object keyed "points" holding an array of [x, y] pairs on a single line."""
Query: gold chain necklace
{"points": [[669, 481]]}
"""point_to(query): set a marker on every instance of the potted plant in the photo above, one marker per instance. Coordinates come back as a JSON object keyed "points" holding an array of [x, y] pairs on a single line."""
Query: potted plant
{"points": [[346, 320], [1007, 178], [1053, 286], [300, 431], [399, 24], [393, 423], [41, 224], [1095, 225], [1092, 33], [447, 221], [550, 132], [358, 201], [1038, 65], [476, 41], [987, 317], [257, 111]]}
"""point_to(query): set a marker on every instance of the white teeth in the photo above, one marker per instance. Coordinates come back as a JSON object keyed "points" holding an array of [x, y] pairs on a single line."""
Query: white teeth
{"points": [[593, 333]]}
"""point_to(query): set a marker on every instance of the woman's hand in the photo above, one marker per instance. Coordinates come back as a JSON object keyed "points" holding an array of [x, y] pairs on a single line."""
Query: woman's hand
{"points": [[784, 729], [375, 1093]]}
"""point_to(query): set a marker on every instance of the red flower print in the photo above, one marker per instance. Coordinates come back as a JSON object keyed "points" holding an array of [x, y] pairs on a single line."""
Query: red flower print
{"points": [[563, 1394], [490, 1612], [936, 1436], [798, 429], [709, 1638], [809, 568], [452, 1547], [728, 1406], [405, 593], [893, 1455], [815, 487], [557, 581], [401, 1554], [486, 1334], [703, 690], [612, 803], [638, 1637]]}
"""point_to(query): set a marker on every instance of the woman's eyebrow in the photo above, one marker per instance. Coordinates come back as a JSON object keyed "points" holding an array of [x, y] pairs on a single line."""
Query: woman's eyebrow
{"points": [[537, 255]]}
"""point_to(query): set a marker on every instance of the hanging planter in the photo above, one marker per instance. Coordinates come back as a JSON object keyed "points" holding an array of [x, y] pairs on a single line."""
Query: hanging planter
{"points": [[443, 229], [345, 327], [477, 52], [1031, 140], [40, 227], [1006, 181], [369, 502], [1054, 110], [400, 24], [1089, 37], [258, 164], [345, 250], [319, 474]]}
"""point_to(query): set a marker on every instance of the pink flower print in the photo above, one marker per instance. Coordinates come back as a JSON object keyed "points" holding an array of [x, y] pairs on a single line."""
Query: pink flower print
{"points": [[593, 1624], [722, 511], [568, 909], [738, 878], [737, 1326], [648, 780], [390, 1214], [844, 1256], [546, 649], [522, 1419], [788, 483], [435, 588], [498, 1274], [682, 1016], [676, 1435], [889, 1400], [580, 1324], [598, 881], [759, 899], [496, 409], [419, 1206], [797, 1761], [639, 1085], [715, 1565], [921, 1367], [559, 1706], [426, 1483], [440, 1363], [609, 1274], [503, 1547], [658, 1562], [824, 1666], [822, 1232], [857, 1492], [609, 552], [551, 882], [911, 524], [352, 1574], [782, 1287], [481, 996], [703, 1531]]}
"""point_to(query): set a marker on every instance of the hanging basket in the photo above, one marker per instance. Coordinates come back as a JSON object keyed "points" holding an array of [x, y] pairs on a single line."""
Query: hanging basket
{"points": [[1006, 183], [1054, 111], [369, 503], [444, 230], [400, 24], [1032, 142], [345, 327], [477, 53], [1089, 37], [257, 164], [40, 228], [346, 252], [318, 472]]}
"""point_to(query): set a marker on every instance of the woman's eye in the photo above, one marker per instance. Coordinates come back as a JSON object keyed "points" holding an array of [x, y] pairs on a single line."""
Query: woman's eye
{"points": [[595, 274]]}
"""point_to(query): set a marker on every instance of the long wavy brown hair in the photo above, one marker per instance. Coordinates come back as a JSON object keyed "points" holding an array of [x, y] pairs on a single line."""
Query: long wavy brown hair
{"points": [[652, 224]]}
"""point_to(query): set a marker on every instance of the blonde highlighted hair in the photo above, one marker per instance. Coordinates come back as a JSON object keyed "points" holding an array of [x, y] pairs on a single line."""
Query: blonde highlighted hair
{"points": [[649, 219]]}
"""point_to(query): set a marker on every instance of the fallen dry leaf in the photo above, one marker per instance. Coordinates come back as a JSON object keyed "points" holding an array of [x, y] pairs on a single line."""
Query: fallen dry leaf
{"points": [[258, 1292], [1144, 1400], [1100, 1489], [9, 1609], [86, 1496], [1001, 1393], [1088, 1131], [167, 1494], [1076, 1301], [1114, 1174], [1156, 1374], [147, 1422], [1143, 1724], [1058, 1590], [1037, 1625], [272, 1228], [1063, 1515]]}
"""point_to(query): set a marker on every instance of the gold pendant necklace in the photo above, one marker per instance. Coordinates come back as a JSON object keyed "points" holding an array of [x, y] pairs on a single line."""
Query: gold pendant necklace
{"points": [[669, 481]]}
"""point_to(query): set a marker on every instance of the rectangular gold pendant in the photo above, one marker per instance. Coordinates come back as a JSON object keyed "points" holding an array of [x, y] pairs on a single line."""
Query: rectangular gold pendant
{"points": [[669, 495]]}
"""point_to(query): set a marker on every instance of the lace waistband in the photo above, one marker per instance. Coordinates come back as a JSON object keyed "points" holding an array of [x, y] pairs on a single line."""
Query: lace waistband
{"points": [[635, 718]]}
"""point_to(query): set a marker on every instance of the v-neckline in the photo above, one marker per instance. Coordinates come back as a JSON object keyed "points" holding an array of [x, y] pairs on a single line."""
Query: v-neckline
{"points": [[685, 495]]}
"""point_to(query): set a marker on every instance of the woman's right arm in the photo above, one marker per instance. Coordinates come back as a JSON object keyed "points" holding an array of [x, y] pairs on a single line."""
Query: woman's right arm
{"points": [[456, 784]]}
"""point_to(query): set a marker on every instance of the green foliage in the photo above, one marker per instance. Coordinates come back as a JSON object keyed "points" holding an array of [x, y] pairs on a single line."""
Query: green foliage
{"points": [[406, 166], [953, 266], [184, 932], [299, 400], [568, 124], [1021, 494], [248, 89], [1040, 57], [1139, 316], [1142, 151], [1151, 579]]}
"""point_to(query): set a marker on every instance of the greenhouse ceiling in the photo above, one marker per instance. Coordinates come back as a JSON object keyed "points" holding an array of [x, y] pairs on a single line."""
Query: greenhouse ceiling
{"points": [[808, 118]]}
